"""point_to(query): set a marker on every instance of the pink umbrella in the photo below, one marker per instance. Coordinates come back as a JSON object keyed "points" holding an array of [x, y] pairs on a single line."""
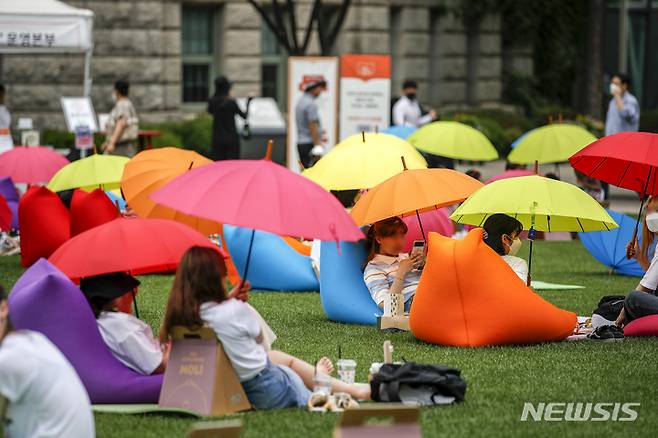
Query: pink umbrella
{"points": [[433, 220], [260, 195], [31, 164], [510, 174]]}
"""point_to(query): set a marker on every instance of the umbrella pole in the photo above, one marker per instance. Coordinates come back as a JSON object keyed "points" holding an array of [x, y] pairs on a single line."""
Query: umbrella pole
{"points": [[639, 214], [420, 223], [246, 265], [135, 304]]}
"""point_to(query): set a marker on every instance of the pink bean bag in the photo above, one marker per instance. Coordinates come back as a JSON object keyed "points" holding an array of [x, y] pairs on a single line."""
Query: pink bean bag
{"points": [[91, 209], [437, 221], [645, 326], [44, 222]]}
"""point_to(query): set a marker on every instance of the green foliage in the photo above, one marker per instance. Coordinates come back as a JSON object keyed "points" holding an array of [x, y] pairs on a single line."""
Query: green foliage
{"points": [[649, 120], [194, 134]]}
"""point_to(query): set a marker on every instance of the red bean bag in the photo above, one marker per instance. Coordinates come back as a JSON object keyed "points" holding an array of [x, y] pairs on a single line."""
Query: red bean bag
{"points": [[433, 220], [44, 222], [468, 296], [645, 326], [91, 209]]}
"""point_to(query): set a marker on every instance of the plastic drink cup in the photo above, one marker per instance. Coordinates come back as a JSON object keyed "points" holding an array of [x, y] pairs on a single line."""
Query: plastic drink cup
{"points": [[322, 383], [346, 370]]}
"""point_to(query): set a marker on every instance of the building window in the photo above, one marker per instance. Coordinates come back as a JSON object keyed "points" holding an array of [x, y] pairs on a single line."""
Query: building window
{"points": [[274, 68], [198, 50]]}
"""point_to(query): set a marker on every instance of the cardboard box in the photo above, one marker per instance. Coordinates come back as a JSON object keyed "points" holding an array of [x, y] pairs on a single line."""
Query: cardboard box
{"points": [[200, 377], [400, 322], [404, 424]]}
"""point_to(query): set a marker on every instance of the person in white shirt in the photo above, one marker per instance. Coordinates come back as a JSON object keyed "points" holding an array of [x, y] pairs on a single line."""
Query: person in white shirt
{"points": [[129, 339], [407, 110], [44, 394], [389, 270], [271, 380], [643, 300], [501, 233]]}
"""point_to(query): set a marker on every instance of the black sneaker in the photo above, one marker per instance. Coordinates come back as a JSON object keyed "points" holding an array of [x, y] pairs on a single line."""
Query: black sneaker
{"points": [[607, 333]]}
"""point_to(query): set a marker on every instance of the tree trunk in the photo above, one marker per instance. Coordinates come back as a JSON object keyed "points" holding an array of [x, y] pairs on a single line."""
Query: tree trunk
{"points": [[592, 101]]}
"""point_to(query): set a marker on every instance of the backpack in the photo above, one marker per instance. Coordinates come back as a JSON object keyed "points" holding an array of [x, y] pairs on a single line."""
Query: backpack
{"points": [[419, 384]]}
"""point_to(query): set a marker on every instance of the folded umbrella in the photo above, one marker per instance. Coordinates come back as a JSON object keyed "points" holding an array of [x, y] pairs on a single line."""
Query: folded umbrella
{"points": [[362, 161], [552, 143], [453, 140], [31, 165], [94, 172], [151, 169]]}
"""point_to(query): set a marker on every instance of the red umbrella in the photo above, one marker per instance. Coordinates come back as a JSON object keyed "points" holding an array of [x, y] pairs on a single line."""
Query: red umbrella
{"points": [[628, 160], [5, 215], [262, 195], [31, 164], [138, 246]]}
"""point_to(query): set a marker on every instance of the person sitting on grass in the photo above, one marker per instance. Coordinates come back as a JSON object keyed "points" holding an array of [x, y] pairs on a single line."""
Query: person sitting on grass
{"points": [[643, 300], [388, 269], [44, 394], [501, 233], [271, 380]]}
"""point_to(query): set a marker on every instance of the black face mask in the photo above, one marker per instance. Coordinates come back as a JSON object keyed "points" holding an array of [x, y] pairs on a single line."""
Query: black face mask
{"points": [[411, 96]]}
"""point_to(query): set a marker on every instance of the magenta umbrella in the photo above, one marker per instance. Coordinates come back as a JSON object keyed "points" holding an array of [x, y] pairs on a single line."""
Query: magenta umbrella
{"points": [[510, 174], [260, 195], [31, 164]]}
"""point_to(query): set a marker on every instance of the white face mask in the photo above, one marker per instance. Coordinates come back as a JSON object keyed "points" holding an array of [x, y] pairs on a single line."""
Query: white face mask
{"points": [[652, 221], [515, 246], [614, 88]]}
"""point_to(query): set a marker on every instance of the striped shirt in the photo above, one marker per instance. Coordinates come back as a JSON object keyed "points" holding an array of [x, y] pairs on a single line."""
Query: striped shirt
{"points": [[380, 273]]}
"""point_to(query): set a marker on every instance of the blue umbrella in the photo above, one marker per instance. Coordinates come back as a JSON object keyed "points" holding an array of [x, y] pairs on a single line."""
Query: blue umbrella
{"points": [[518, 140], [401, 131], [609, 247], [117, 199]]}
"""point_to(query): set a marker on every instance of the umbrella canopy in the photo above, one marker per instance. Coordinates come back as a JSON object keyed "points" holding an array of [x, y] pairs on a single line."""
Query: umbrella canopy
{"points": [[362, 161], [454, 140], [509, 174], [401, 131], [413, 191], [5, 215], [553, 143], [261, 195], [151, 169], [628, 160], [609, 247], [94, 172], [537, 202], [138, 246], [31, 165]]}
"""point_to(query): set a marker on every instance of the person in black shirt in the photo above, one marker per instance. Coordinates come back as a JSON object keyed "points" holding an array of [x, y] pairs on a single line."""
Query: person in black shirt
{"points": [[225, 138]]}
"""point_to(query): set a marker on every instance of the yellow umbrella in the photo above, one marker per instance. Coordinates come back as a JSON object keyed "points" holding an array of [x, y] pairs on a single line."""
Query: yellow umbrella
{"points": [[94, 172], [539, 203], [362, 161], [550, 144], [453, 140], [148, 171]]}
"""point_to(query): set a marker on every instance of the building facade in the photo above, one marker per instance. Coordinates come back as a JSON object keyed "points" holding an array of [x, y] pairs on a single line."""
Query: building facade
{"points": [[171, 50]]}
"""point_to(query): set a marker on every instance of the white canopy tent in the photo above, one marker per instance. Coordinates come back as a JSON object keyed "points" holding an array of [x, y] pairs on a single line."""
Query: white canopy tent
{"points": [[47, 26]]}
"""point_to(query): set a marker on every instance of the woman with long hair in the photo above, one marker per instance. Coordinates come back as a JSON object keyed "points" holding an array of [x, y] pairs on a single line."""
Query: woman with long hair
{"points": [[270, 380], [501, 233]]}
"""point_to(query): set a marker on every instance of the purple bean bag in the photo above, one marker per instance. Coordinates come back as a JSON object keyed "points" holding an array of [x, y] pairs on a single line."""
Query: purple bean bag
{"points": [[45, 300], [8, 190]]}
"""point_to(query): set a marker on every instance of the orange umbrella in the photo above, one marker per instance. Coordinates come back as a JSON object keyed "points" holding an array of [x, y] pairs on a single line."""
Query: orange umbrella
{"points": [[412, 192], [151, 169]]}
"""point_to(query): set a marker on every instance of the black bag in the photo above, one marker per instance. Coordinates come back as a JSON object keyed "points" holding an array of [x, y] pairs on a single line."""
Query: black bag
{"points": [[418, 383], [610, 306]]}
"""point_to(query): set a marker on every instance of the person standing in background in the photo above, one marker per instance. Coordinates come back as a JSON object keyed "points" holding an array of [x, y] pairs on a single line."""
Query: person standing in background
{"points": [[5, 116], [309, 128], [225, 138], [122, 126], [623, 110], [407, 110]]}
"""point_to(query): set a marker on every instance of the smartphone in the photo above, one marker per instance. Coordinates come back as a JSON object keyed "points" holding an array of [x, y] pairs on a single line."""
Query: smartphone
{"points": [[418, 247]]}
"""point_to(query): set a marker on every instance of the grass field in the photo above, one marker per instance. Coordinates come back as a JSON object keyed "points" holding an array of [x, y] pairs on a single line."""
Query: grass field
{"points": [[500, 379]]}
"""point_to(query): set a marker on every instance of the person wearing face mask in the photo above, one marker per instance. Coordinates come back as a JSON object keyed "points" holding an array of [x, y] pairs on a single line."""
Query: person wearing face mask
{"points": [[623, 109], [122, 126], [407, 110], [643, 300], [501, 233], [389, 270], [40, 393], [309, 128]]}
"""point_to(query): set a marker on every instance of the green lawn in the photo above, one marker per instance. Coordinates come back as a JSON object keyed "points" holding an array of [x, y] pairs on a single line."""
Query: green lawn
{"points": [[500, 379]]}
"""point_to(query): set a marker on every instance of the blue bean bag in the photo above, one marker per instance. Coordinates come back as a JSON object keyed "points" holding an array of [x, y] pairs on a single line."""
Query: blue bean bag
{"points": [[344, 295], [274, 264], [609, 247]]}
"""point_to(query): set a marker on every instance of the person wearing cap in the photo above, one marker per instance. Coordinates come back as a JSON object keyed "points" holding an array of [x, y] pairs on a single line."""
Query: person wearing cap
{"points": [[44, 395], [309, 128], [225, 138], [129, 339], [407, 110]]}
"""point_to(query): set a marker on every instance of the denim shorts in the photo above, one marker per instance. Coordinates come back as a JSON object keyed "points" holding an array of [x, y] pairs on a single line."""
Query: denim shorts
{"points": [[276, 387]]}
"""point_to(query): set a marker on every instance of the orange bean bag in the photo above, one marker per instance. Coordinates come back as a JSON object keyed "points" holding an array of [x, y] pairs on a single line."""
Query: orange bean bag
{"points": [[44, 222], [91, 209], [468, 296]]}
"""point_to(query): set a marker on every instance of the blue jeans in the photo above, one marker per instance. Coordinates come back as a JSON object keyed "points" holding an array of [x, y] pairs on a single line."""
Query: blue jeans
{"points": [[276, 387], [638, 304]]}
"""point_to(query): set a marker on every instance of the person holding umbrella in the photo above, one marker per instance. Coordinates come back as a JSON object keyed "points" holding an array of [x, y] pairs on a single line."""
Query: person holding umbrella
{"points": [[501, 233], [129, 339], [223, 108]]}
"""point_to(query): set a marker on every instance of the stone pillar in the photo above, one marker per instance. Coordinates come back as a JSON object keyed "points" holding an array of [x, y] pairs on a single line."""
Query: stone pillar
{"points": [[240, 56]]}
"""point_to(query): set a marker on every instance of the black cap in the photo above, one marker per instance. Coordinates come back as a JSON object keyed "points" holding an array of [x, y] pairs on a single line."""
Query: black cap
{"points": [[108, 286], [315, 84]]}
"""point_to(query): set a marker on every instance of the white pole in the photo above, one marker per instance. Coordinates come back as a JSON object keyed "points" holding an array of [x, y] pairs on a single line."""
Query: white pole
{"points": [[87, 75]]}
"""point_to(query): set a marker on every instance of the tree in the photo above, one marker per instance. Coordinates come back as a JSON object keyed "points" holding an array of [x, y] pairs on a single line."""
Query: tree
{"points": [[282, 21]]}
